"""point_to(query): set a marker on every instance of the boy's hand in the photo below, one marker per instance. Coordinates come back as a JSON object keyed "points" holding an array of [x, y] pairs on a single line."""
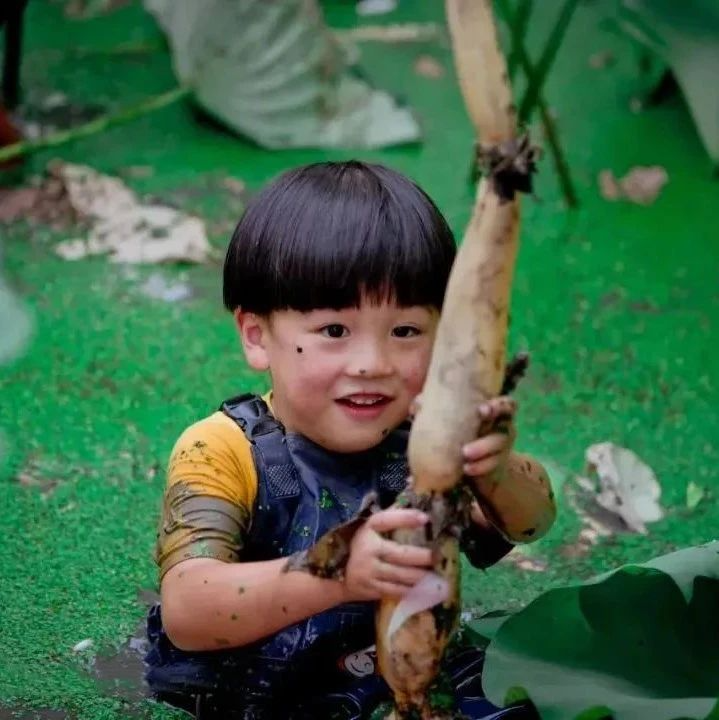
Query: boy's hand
{"points": [[380, 567], [488, 455]]}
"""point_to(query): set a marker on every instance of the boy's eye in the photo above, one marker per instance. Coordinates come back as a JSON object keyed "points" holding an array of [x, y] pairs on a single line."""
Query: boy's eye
{"points": [[335, 330], [405, 331]]}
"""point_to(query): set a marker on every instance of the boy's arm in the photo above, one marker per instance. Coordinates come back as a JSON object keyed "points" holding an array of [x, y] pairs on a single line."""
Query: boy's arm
{"points": [[210, 599], [518, 499], [513, 490], [210, 605]]}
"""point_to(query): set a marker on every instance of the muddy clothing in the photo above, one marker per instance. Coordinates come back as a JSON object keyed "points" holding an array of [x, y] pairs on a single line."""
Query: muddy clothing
{"points": [[211, 497], [322, 665]]}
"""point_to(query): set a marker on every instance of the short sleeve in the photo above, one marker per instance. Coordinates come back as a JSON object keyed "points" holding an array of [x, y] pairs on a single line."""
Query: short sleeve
{"points": [[210, 493], [483, 546]]}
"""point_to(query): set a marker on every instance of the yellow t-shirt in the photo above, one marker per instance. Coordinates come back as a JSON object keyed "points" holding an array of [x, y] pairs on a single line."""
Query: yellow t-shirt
{"points": [[212, 487], [210, 493]]}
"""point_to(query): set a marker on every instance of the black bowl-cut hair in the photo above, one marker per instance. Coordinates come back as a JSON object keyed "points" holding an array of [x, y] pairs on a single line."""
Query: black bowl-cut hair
{"points": [[328, 235]]}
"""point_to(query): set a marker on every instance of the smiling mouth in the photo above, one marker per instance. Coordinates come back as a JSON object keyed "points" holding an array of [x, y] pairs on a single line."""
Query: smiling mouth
{"points": [[364, 400]]}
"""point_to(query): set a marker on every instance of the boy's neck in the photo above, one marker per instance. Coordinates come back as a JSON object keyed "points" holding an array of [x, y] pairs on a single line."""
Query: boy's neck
{"points": [[272, 405]]}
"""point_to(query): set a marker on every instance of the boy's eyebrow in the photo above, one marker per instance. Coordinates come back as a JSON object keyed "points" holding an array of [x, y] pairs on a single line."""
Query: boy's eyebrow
{"points": [[331, 311]]}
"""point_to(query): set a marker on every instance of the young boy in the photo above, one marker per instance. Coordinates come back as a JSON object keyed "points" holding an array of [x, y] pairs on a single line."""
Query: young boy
{"points": [[335, 276]]}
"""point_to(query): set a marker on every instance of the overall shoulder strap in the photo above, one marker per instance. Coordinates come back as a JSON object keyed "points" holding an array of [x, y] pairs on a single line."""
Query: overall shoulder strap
{"points": [[267, 436], [394, 470]]}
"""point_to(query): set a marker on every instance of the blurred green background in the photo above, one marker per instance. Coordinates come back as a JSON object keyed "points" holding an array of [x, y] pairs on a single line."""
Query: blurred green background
{"points": [[617, 302]]}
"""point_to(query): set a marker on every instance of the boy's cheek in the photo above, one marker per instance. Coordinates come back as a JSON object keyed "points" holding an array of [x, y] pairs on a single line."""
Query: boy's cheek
{"points": [[416, 375], [312, 376]]}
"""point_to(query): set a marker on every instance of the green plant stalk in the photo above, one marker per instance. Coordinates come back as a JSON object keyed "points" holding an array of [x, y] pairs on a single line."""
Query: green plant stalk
{"points": [[544, 65], [560, 161], [27, 147], [128, 48], [518, 22], [552, 136]]}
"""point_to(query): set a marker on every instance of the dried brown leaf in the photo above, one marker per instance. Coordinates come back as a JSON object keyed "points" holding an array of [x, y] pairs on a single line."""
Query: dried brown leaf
{"points": [[428, 67], [641, 185], [122, 227], [608, 186], [600, 60], [235, 186], [524, 560], [16, 204], [137, 171], [37, 476]]}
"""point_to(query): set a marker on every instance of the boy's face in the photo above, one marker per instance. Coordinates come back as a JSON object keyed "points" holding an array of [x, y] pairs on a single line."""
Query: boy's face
{"points": [[342, 378]]}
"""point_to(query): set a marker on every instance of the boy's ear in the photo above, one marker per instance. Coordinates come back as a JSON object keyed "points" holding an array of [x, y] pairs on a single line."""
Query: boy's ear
{"points": [[253, 334]]}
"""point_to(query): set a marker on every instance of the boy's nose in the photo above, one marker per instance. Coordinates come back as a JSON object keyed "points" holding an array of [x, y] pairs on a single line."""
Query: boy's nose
{"points": [[370, 360]]}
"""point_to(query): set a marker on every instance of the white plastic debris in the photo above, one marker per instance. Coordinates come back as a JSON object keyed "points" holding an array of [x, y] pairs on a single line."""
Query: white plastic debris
{"points": [[428, 67], [82, 645], [159, 288], [375, 7], [624, 485]]}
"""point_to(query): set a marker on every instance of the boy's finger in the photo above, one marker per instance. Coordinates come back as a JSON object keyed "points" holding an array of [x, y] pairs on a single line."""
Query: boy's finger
{"points": [[398, 574], [478, 516], [394, 518], [498, 407], [408, 555], [484, 446], [388, 589], [415, 405], [483, 467], [502, 405]]}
